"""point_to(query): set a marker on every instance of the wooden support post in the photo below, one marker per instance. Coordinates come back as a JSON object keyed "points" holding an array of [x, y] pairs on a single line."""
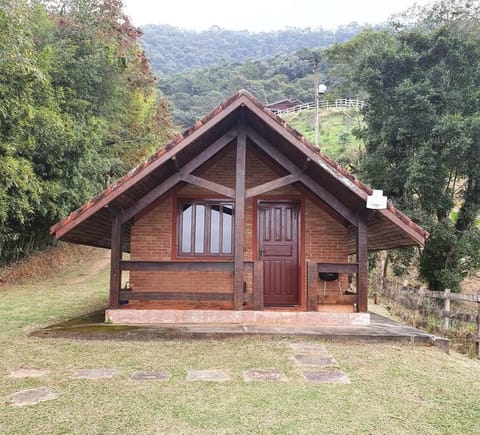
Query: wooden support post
{"points": [[362, 260], [477, 344], [446, 309], [258, 286], [312, 289], [239, 213], [115, 258]]}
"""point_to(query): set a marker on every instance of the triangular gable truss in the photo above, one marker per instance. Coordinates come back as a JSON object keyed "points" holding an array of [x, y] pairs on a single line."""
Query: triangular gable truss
{"points": [[241, 103]]}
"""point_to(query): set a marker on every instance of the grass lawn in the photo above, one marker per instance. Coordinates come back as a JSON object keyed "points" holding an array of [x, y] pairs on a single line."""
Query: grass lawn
{"points": [[335, 131], [394, 389]]}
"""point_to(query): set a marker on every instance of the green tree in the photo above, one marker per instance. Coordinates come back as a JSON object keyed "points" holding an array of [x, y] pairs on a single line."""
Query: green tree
{"points": [[422, 131], [78, 107]]}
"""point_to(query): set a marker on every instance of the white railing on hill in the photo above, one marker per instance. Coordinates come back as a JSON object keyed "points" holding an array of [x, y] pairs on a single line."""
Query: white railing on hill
{"points": [[324, 104]]}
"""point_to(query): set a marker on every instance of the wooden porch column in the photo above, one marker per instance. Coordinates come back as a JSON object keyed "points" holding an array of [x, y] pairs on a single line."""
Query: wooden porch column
{"points": [[115, 258], [362, 259], [239, 213]]}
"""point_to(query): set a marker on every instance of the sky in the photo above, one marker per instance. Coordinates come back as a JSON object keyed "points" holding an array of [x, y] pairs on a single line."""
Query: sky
{"points": [[263, 15]]}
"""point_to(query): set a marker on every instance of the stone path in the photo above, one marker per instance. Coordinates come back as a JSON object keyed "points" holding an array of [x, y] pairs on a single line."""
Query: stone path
{"points": [[315, 363], [150, 376], [322, 366], [327, 377], [31, 397], [28, 373]]}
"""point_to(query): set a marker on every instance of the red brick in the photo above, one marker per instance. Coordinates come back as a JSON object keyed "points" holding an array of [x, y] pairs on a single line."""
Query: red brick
{"points": [[153, 233]]}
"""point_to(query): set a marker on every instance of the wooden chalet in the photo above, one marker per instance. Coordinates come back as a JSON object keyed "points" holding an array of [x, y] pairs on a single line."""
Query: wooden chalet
{"points": [[239, 219]]}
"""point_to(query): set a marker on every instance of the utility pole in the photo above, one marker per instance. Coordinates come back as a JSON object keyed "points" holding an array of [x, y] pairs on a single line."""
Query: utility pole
{"points": [[315, 72], [319, 90]]}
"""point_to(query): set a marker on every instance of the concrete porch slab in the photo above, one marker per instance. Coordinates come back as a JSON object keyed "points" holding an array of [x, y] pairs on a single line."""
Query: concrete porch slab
{"points": [[380, 330], [245, 317]]}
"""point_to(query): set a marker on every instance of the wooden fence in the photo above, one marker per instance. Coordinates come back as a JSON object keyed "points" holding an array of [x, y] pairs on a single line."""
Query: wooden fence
{"points": [[415, 298], [325, 104]]}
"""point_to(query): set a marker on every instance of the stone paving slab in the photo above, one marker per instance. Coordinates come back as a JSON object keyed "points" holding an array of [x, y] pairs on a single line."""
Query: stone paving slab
{"points": [[208, 375], [150, 376], [28, 373], [315, 361], [263, 375], [31, 397], [327, 377], [94, 373]]}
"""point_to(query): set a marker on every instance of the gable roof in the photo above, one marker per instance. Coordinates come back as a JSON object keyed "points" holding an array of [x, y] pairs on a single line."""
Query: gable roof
{"points": [[91, 223]]}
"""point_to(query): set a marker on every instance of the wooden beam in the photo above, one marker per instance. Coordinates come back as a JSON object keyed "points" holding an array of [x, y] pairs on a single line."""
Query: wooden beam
{"points": [[271, 185], [337, 267], [174, 296], [258, 304], [316, 188], [362, 260], [312, 288], [178, 266], [239, 212], [176, 178], [286, 133], [209, 185], [115, 258], [67, 224]]}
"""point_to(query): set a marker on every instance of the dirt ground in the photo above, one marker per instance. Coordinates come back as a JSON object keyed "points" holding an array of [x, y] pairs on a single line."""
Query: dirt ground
{"points": [[48, 263]]}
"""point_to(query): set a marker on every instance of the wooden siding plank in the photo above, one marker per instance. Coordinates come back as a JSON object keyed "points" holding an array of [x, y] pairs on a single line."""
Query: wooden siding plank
{"points": [[179, 266], [174, 296], [337, 267], [176, 178], [271, 185], [240, 211], [320, 191], [209, 185]]}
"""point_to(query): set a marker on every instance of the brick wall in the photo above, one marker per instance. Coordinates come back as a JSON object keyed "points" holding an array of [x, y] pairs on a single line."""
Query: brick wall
{"points": [[326, 241], [153, 233]]}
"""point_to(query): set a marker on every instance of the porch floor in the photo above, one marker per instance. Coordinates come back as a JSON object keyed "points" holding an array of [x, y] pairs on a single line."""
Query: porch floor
{"points": [[380, 330]]}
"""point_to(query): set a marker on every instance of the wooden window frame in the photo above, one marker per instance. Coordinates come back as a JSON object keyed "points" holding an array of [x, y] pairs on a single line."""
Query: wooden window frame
{"points": [[208, 203]]}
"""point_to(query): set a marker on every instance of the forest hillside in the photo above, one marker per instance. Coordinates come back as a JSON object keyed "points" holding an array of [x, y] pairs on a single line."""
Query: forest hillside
{"points": [[172, 50]]}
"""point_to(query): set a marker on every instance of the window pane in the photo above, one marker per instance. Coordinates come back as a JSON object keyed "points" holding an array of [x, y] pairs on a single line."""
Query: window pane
{"points": [[187, 228], [227, 229], [199, 229], [214, 229]]}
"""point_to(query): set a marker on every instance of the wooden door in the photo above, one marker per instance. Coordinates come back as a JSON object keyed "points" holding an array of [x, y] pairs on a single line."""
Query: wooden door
{"points": [[278, 249]]}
